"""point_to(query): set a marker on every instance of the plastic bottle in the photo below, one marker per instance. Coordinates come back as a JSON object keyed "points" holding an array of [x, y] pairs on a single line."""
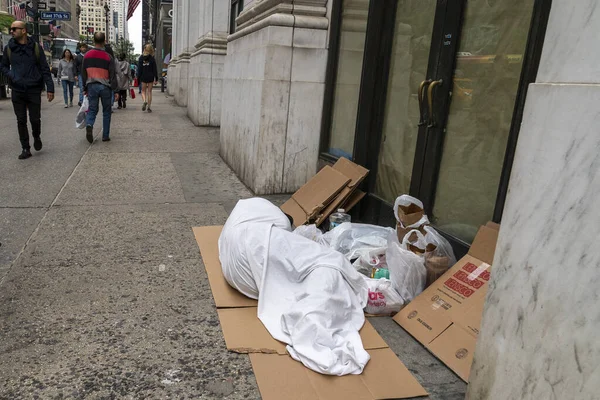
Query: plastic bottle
{"points": [[338, 218]]}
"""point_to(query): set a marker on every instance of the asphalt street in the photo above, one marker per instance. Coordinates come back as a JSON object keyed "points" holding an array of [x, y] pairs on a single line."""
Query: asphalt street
{"points": [[103, 293]]}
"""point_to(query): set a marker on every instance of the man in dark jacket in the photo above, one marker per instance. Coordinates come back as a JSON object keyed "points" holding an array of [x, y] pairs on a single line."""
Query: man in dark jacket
{"points": [[24, 63], [78, 65]]}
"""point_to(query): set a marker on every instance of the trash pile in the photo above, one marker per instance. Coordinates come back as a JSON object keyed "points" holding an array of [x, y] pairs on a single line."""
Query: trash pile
{"points": [[397, 264], [285, 294]]}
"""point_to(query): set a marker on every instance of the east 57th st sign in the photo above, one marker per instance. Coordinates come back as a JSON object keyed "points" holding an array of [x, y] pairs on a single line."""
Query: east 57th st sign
{"points": [[57, 15]]}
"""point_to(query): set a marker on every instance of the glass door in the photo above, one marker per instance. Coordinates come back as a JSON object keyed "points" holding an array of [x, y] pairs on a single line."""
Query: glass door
{"points": [[403, 113], [472, 116], [428, 95], [453, 78]]}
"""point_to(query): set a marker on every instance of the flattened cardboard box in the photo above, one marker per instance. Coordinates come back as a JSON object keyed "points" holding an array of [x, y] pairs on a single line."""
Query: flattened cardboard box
{"points": [[277, 374], [225, 296], [357, 174], [446, 317], [384, 377], [245, 333], [310, 200]]}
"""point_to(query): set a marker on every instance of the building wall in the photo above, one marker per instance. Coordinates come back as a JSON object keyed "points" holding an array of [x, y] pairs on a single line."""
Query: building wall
{"points": [[264, 84], [118, 6], [92, 15], [273, 87], [541, 320], [69, 29]]}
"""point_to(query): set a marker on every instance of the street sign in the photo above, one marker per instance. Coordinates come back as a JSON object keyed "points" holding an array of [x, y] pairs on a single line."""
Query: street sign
{"points": [[58, 15], [42, 6]]}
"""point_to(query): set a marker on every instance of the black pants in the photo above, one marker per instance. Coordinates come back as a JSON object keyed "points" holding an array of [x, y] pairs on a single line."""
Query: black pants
{"points": [[122, 98], [23, 101]]}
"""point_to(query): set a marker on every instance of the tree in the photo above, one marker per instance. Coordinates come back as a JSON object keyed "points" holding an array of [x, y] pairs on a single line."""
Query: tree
{"points": [[125, 47], [5, 21]]}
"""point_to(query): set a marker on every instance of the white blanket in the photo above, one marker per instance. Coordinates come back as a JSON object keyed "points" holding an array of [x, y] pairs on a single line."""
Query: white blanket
{"points": [[309, 296]]}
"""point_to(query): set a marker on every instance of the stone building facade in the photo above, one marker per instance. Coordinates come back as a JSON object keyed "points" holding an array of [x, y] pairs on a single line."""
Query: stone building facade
{"points": [[486, 110]]}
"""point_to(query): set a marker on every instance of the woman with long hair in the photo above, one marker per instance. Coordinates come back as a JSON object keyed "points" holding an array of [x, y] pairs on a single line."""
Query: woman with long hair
{"points": [[147, 75], [67, 75]]}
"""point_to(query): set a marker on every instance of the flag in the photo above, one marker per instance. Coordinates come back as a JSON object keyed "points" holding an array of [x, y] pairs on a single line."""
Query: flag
{"points": [[132, 6], [20, 11]]}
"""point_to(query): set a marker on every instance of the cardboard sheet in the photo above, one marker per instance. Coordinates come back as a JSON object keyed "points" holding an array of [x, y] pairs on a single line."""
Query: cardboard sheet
{"points": [[446, 317], [278, 375], [224, 295], [312, 198], [455, 348], [356, 173], [244, 333], [384, 377]]}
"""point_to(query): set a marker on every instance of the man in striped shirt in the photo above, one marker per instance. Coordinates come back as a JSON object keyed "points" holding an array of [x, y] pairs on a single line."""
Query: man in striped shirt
{"points": [[99, 80]]}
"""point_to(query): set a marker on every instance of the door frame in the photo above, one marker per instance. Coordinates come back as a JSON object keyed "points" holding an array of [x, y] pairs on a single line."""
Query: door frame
{"points": [[373, 95]]}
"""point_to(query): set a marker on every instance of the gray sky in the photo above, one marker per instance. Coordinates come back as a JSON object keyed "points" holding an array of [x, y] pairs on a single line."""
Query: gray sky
{"points": [[134, 27]]}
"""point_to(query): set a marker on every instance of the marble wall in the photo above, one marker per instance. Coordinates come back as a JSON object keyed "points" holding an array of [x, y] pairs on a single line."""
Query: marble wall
{"points": [[205, 76], [542, 317], [273, 88], [200, 43]]}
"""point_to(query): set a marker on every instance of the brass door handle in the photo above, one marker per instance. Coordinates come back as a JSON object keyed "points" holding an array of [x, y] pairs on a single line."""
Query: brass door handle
{"points": [[430, 101], [422, 87]]}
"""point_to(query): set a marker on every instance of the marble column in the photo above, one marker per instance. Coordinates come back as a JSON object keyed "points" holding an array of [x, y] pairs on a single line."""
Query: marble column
{"points": [[273, 86], [206, 64], [180, 89], [539, 336], [174, 72]]}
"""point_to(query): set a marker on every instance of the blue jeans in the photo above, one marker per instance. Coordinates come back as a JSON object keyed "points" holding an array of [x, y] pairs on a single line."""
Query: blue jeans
{"points": [[80, 88], [97, 92], [68, 86]]}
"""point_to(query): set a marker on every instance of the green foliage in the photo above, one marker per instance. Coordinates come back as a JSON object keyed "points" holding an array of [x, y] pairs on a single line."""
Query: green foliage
{"points": [[5, 21], [124, 46]]}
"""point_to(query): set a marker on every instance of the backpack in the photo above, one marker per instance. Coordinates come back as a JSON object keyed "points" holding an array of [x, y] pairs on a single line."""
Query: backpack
{"points": [[36, 50]]}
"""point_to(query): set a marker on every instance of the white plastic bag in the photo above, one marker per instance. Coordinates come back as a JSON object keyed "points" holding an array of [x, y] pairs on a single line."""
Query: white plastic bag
{"points": [[383, 298], [81, 114], [441, 258], [310, 232], [406, 201], [372, 259], [354, 240], [407, 269]]}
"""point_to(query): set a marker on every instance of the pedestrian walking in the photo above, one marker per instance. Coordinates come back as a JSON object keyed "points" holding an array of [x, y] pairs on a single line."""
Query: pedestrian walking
{"points": [[100, 80], [83, 48], [123, 77], [147, 75], [67, 72], [24, 63], [110, 51]]}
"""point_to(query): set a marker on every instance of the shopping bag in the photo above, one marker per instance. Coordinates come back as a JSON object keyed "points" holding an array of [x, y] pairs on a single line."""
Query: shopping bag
{"points": [[132, 93], [81, 114]]}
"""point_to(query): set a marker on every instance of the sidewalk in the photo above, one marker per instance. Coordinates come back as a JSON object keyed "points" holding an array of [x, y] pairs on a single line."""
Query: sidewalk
{"points": [[102, 289]]}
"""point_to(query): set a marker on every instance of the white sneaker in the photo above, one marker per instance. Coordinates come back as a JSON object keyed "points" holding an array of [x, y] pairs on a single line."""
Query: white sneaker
{"points": [[66, 106]]}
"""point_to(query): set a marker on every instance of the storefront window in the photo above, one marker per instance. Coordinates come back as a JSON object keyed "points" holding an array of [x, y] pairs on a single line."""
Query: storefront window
{"points": [[347, 85], [486, 79]]}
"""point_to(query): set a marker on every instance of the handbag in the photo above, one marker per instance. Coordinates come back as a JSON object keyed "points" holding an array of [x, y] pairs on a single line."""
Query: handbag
{"points": [[132, 93]]}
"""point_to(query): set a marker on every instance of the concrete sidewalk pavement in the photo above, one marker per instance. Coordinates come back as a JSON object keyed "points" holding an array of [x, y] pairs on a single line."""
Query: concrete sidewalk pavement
{"points": [[102, 289]]}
